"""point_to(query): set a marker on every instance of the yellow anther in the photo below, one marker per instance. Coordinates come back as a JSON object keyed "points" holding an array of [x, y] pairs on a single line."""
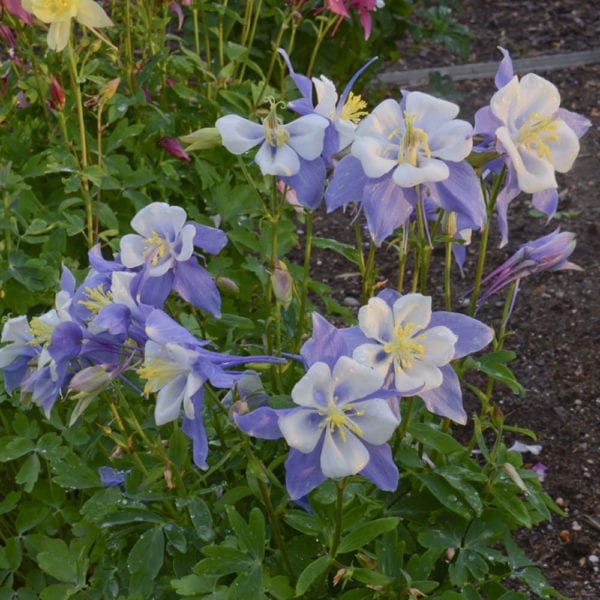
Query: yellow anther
{"points": [[157, 247], [354, 108], [414, 141], [404, 347], [98, 298], [41, 331], [340, 418], [158, 372], [275, 133], [536, 132]]}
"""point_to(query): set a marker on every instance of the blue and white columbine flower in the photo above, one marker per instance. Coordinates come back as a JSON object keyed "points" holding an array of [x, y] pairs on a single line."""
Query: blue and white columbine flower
{"points": [[164, 248], [282, 145], [402, 146], [340, 427], [534, 137], [402, 339]]}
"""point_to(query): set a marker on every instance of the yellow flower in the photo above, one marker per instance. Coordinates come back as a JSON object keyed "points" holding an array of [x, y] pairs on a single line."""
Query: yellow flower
{"points": [[59, 14]]}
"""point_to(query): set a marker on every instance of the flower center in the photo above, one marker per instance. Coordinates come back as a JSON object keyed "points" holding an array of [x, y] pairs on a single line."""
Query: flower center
{"points": [[157, 248], [98, 298], [275, 133], [414, 141], [340, 417], [41, 332], [536, 132], [354, 108], [404, 347], [158, 372], [57, 9]]}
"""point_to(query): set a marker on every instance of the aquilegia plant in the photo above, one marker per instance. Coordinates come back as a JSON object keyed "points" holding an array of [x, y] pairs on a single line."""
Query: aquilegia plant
{"points": [[186, 411]]}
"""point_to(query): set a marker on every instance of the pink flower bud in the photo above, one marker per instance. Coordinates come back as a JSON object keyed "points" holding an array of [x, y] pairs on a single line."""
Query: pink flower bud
{"points": [[282, 283], [57, 94], [174, 148]]}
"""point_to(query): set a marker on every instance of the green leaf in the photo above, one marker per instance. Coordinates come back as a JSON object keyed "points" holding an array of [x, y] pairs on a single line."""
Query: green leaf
{"points": [[465, 489], [11, 448], [56, 560], [190, 585], [304, 522], [445, 494], [222, 560], [9, 502], [494, 365], [362, 535], [130, 515], [29, 472], [11, 555], [201, 519], [145, 560], [506, 497], [431, 436], [370, 577], [311, 574], [74, 473], [247, 585], [346, 250], [58, 591]]}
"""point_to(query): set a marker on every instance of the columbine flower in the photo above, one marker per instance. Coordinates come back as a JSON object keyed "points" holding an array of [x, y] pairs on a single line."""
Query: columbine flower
{"points": [[404, 341], [343, 113], [165, 250], [534, 136], [14, 7], [401, 145], [282, 145], [548, 253], [340, 427], [59, 14], [364, 8]]}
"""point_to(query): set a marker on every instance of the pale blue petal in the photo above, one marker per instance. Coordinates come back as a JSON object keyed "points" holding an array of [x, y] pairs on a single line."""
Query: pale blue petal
{"points": [[381, 469], [340, 458], [238, 134], [307, 134], [309, 182], [303, 473], [301, 429], [315, 389], [376, 320], [546, 202], [378, 422], [427, 170], [168, 401], [133, 248], [261, 423], [194, 284], [281, 161], [347, 183], [473, 335], [505, 70], [209, 239], [353, 381], [446, 400]]}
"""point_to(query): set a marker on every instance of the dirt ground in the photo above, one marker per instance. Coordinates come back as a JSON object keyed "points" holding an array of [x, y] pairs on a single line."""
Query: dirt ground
{"points": [[556, 322]]}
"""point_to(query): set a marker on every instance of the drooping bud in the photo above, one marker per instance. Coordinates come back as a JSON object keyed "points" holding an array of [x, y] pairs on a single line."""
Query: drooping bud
{"points": [[202, 139], [57, 94], [174, 148], [282, 283]]}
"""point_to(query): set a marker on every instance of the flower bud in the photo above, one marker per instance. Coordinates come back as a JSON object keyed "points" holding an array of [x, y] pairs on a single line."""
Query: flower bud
{"points": [[227, 285], [202, 139], [174, 148], [282, 283], [57, 94]]}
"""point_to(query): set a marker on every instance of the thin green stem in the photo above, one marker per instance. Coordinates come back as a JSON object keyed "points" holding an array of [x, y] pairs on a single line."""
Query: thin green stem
{"points": [[128, 46], [7, 236], [339, 512], [305, 280], [83, 143], [368, 280], [490, 206], [404, 423], [324, 26], [447, 277]]}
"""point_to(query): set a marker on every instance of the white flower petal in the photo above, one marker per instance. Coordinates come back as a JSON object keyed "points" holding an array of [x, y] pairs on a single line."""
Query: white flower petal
{"points": [[133, 247], [565, 151], [438, 344], [378, 422], [168, 401], [159, 217], [431, 111], [452, 140], [315, 389], [421, 376], [353, 381], [301, 430], [185, 247], [239, 135], [412, 308], [376, 320], [327, 96], [16, 329], [505, 103], [537, 95], [385, 118], [375, 155], [91, 14], [58, 35], [428, 170], [374, 357], [307, 134], [281, 161], [342, 458]]}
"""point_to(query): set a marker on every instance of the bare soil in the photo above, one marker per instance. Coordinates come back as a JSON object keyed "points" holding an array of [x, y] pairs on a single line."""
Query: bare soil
{"points": [[556, 321]]}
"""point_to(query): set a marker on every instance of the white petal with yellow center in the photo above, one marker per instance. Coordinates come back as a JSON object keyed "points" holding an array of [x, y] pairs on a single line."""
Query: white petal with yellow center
{"points": [[342, 458]]}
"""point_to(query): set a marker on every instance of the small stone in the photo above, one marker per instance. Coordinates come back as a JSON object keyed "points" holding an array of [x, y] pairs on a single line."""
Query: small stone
{"points": [[593, 559], [565, 536], [350, 301], [576, 526]]}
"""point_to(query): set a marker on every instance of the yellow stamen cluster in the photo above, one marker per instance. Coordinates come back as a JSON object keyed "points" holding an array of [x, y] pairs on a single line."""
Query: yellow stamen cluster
{"points": [[98, 298], [42, 332], [340, 417], [157, 247], [404, 347], [53, 11], [413, 141], [354, 108], [275, 133], [537, 132], [158, 372]]}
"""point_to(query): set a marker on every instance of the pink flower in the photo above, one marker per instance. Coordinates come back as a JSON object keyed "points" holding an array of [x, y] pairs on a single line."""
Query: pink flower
{"points": [[364, 8], [14, 8]]}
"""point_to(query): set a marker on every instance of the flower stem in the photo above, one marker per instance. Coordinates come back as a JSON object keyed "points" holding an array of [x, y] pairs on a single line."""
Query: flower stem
{"points": [[305, 280], [490, 206], [447, 277], [337, 532], [85, 188]]}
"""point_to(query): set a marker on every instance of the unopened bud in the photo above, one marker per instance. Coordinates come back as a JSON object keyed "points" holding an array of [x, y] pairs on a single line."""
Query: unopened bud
{"points": [[282, 283], [202, 139], [168, 475], [174, 148], [57, 94], [227, 285], [516, 478], [90, 381], [110, 89]]}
